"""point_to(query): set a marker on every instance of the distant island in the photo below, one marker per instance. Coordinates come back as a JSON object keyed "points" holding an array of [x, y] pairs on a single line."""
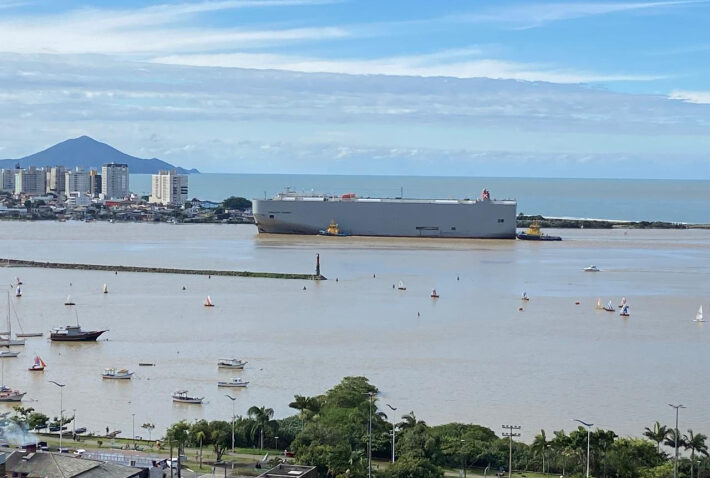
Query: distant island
{"points": [[87, 153]]}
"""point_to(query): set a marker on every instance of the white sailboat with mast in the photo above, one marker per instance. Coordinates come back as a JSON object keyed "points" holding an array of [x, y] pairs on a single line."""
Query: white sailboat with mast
{"points": [[6, 337], [699, 315]]}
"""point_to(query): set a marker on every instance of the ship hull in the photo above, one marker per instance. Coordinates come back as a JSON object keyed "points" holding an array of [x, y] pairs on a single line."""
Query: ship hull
{"points": [[388, 217], [84, 337]]}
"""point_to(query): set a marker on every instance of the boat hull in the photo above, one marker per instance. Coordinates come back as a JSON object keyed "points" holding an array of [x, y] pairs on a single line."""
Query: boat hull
{"points": [[121, 377], [232, 385], [30, 334], [533, 237], [196, 401], [83, 337], [12, 398], [388, 217]]}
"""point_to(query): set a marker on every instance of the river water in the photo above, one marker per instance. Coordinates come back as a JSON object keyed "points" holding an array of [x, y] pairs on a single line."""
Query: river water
{"points": [[470, 356]]}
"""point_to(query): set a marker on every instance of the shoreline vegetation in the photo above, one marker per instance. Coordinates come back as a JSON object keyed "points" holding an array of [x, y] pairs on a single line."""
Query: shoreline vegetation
{"points": [[524, 221], [338, 430], [157, 270]]}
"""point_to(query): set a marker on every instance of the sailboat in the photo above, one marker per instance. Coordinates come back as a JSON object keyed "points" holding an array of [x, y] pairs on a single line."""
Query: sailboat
{"points": [[401, 286], [622, 303], [18, 281], [625, 311], [208, 302], [38, 365], [6, 393], [105, 289], [69, 301], [609, 307], [699, 315], [599, 304], [18, 291], [434, 294], [525, 296], [6, 337]]}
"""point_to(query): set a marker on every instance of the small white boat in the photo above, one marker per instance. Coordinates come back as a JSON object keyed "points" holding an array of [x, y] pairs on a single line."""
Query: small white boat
{"points": [[591, 268], [401, 286], [525, 296], [8, 354], [181, 396], [69, 301], [18, 291], [625, 311], [231, 363], [434, 294], [208, 302], [105, 289], [608, 307], [112, 373], [235, 383], [622, 303], [699, 315], [9, 395]]}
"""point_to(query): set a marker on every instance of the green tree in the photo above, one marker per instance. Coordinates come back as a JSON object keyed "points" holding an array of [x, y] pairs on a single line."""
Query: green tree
{"points": [[262, 417], [301, 403], [695, 442], [238, 203], [630, 457], [179, 433], [539, 446], [37, 420], [220, 437], [561, 444], [656, 434], [150, 427], [412, 467]]}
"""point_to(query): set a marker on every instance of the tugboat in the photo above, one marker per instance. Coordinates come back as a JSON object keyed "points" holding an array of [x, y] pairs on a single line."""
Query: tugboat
{"points": [[73, 333], [533, 233], [332, 230]]}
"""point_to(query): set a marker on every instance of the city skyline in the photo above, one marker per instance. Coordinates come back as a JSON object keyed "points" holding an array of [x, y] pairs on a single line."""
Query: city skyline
{"points": [[544, 89]]}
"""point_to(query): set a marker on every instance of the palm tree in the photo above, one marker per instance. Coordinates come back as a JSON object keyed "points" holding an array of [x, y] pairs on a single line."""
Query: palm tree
{"points": [[262, 416], [302, 403], [149, 427], [561, 443], [408, 421], [695, 443], [200, 436], [657, 434], [539, 446]]}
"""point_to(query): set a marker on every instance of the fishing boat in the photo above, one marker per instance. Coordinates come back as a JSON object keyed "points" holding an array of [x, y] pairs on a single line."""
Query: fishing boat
{"points": [[234, 383], [69, 301], [525, 297], [112, 373], [622, 303], [608, 307], [105, 289], [625, 311], [401, 286], [181, 396], [332, 230], [434, 294], [18, 291], [232, 363], [533, 233], [599, 305], [38, 365], [74, 333], [699, 315], [591, 268], [208, 302]]}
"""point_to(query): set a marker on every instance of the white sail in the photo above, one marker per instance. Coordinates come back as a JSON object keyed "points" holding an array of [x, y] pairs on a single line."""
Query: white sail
{"points": [[699, 315], [401, 286], [105, 289], [623, 302]]}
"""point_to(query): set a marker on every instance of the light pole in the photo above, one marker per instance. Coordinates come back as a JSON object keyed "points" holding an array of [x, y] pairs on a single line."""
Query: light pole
{"points": [[393, 428], [276, 439], [589, 430], [233, 399], [133, 425], [61, 411], [675, 439], [73, 423], [510, 434]]}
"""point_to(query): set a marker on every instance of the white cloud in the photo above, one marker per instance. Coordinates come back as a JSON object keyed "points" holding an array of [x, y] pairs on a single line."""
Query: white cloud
{"points": [[701, 97]]}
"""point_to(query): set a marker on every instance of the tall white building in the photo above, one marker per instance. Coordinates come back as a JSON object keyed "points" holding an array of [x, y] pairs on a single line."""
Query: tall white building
{"points": [[114, 181], [7, 180], [56, 180], [77, 180], [169, 188], [30, 181]]}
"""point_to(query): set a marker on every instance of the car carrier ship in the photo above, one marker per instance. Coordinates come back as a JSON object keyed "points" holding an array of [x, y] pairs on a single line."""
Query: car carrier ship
{"points": [[294, 213]]}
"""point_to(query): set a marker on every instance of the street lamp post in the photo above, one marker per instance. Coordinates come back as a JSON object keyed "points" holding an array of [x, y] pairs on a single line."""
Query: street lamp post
{"points": [[276, 440], [589, 430], [393, 428], [73, 423], [133, 425], [675, 439], [510, 434], [233, 399], [61, 411]]}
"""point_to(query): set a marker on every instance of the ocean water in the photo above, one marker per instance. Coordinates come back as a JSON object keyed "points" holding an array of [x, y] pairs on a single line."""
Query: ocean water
{"points": [[470, 356], [621, 199]]}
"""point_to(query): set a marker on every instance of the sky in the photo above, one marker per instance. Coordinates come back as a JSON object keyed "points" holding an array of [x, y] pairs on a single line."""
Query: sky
{"points": [[475, 88]]}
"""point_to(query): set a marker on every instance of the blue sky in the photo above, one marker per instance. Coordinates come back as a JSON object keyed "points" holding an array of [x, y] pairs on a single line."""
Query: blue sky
{"points": [[576, 88]]}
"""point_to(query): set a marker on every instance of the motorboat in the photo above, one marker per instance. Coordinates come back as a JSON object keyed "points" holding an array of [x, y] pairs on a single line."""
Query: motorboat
{"points": [[9, 395], [235, 383], [208, 302], [434, 294], [112, 373], [591, 268], [74, 333], [181, 396], [38, 365], [8, 354], [533, 233], [232, 363]]}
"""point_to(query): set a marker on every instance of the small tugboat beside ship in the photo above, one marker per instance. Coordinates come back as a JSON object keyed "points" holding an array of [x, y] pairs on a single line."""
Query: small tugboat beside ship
{"points": [[533, 233]]}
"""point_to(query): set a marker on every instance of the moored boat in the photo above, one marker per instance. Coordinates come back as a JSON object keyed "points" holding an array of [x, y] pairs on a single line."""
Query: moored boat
{"points": [[8, 354], [181, 396], [591, 268], [74, 333], [533, 233], [235, 383], [112, 373], [9, 395], [231, 363]]}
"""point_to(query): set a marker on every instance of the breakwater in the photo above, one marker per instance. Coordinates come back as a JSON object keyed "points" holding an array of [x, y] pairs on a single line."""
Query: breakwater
{"points": [[158, 270]]}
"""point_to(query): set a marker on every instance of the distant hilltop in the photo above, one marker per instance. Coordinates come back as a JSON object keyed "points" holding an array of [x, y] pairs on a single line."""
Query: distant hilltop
{"points": [[88, 153]]}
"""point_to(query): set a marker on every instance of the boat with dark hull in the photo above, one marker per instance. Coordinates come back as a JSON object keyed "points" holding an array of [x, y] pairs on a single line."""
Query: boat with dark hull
{"points": [[74, 333], [533, 233]]}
